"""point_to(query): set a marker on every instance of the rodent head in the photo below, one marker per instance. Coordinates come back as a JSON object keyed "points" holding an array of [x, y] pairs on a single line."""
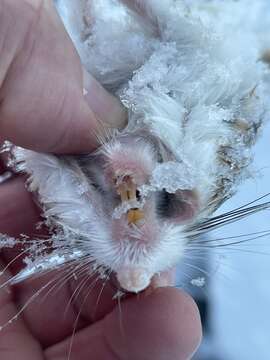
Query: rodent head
{"points": [[146, 230]]}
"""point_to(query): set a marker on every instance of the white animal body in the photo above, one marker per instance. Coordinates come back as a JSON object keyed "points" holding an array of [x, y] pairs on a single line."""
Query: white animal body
{"points": [[195, 89]]}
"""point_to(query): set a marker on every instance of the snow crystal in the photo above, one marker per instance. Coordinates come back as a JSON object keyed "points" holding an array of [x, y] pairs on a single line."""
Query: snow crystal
{"points": [[198, 282], [126, 206], [118, 295], [172, 176], [42, 264], [6, 147], [7, 241]]}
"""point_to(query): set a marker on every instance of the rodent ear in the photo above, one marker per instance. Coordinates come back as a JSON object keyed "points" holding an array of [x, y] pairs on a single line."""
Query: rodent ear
{"points": [[179, 207]]}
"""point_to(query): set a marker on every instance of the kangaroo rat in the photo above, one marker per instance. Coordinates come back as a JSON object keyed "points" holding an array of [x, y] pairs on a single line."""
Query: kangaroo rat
{"points": [[193, 85]]}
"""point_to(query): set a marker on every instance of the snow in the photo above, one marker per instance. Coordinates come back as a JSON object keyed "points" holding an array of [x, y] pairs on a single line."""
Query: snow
{"points": [[199, 282]]}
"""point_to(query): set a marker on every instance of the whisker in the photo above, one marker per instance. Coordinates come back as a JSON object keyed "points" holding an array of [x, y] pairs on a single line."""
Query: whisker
{"points": [[211, 224], [13, 261], [247, 251], [215, 249], [70, 270], [195, 267], [239, 242], [78, 316], [218, 262], [263, 233], [102, 289], [59, 277], [28, 302], [253, 201], [79, 288], [120, 315]]}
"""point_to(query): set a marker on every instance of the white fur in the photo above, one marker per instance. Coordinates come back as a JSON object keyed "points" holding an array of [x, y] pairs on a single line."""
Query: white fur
{"points": [[188, 81], [71, 205]]}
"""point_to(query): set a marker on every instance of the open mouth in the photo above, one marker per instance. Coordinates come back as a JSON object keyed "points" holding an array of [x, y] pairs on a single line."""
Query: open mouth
{"points": [[128, 192]]}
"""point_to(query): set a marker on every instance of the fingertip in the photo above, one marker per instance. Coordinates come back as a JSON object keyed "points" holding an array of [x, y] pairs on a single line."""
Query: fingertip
{"points": [[164, 325], [105, 106], [95, 114]]}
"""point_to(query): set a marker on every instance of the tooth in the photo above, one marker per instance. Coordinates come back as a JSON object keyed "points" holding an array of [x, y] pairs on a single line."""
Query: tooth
{"points": [[124, 195], [127, 191], [135, 216]]}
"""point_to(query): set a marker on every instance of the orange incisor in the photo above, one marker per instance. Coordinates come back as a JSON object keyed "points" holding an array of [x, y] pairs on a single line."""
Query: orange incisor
{"points": [[128, 191]]}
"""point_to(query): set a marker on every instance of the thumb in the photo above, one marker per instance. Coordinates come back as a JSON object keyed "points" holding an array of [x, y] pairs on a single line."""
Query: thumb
{"points": [[162, 326], [105, 106], [43, 105]]}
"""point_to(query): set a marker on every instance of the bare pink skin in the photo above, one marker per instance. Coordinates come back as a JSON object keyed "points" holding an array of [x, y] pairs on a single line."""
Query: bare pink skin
{"points": [[45, 112]]}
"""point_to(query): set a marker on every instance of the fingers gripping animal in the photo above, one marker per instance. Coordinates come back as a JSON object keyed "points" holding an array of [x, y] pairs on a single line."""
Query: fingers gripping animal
{"points": [[195, 91]]}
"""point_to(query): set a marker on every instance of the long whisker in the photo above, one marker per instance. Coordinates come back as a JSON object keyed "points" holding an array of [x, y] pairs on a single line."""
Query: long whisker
{"points": [[252, 202], [28, 302], [102, 289], [199, 241], [212, 224], [120, 315], [79, 288], [13, 261], [245, 209], [69, 273], [237, 215], [215, 249], [195, 267], [59, 277], [237, 242], [79, 315]]}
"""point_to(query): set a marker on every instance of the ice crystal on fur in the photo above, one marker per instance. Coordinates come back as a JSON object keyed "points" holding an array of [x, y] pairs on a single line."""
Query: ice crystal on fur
{"points": [[194, 75]]}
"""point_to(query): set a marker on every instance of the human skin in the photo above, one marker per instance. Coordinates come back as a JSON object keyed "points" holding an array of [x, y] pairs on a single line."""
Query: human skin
{"points": [[42, 107]]}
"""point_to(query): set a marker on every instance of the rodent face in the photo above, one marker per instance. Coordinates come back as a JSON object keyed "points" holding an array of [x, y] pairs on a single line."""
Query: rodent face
{"points": [[148, 231]]}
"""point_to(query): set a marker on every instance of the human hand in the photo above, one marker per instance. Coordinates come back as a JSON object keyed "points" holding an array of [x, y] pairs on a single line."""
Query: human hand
{"points": [[42, 107]]}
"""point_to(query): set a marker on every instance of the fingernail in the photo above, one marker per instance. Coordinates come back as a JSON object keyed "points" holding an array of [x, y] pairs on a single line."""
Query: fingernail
{"points": [[105, 106]]}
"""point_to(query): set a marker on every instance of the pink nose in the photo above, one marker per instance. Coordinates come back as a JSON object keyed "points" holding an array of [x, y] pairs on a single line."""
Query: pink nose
{"points": [[133, 279]]}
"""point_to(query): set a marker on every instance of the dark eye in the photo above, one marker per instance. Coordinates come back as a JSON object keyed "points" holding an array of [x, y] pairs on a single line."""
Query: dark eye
{"points": [[178, 207]]}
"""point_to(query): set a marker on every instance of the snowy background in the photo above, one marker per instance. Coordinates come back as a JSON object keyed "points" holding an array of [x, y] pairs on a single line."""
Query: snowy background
{"points": [[237, 292]]}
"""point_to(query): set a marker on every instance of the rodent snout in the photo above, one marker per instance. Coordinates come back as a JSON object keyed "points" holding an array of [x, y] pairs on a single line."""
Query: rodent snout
{"points": [[134, 279]]}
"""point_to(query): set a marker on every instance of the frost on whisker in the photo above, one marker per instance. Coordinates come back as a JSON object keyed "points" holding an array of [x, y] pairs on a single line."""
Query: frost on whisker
{"points": [[43, 264], [7, 241], [119, 295]]}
